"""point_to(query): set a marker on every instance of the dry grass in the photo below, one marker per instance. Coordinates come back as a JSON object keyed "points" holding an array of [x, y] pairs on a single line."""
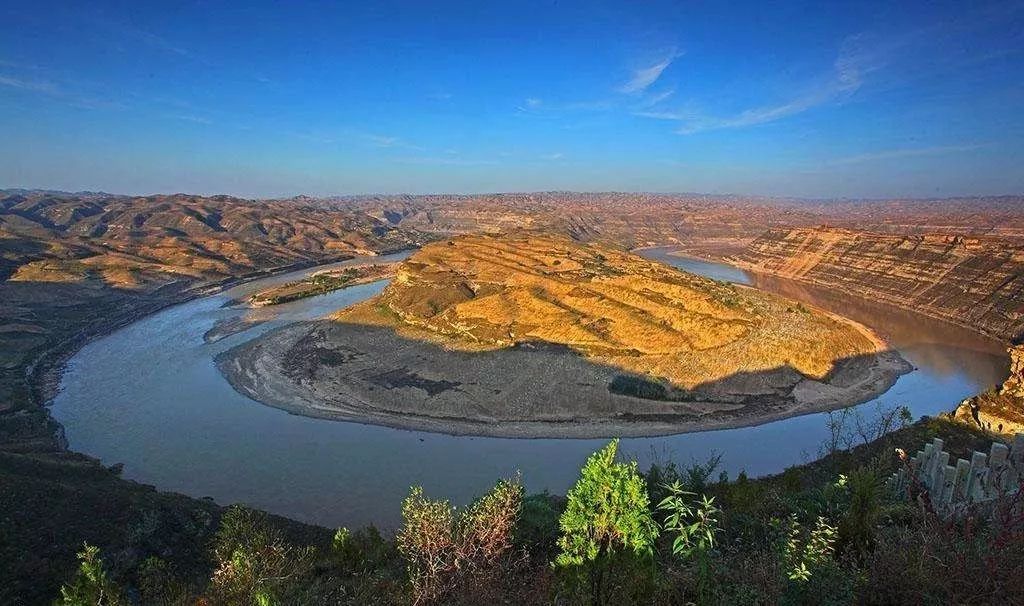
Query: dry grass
{"points": [[482, 292]]}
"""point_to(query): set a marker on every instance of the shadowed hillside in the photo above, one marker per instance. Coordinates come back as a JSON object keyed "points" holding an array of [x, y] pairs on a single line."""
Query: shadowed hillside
{"points": [[531, 336], [483, 292]]}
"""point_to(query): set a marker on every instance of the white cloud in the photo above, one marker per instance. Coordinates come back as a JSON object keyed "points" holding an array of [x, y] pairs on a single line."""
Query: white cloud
{"points": [[390, 142], [857, 57], [193, 118], [39, 86], [646, 76], [554, 156], [56, 91], [657, 98], [382, 141]]}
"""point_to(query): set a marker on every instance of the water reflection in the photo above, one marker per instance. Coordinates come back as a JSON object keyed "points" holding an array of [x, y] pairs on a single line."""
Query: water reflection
{"points": [[149, 396]]}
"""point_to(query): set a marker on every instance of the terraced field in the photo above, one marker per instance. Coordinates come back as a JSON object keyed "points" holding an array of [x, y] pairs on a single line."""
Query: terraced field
{"points": [[526, 335], [482, 292]]}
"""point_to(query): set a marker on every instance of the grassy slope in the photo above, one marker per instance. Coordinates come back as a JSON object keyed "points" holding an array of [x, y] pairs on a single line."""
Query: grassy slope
{"points": [[480, 292]]}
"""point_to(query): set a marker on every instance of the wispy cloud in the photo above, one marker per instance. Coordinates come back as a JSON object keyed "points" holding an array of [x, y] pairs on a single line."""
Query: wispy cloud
{"points": [[18, 65], [58, 92], [857, 57], [39, 86], [889, 154], [126, 30], [193, 118], [530, 104], [655, 99], [390, 142], [646, 76], [536, 106], [554, 156]]}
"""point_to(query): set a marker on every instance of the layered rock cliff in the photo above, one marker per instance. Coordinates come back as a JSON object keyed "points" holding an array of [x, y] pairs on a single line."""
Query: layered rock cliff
{"points": [[973, 281], [1000, 410]]}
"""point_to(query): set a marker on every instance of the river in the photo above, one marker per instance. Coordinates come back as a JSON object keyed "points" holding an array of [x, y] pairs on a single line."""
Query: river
{"points": [[150, 397]]}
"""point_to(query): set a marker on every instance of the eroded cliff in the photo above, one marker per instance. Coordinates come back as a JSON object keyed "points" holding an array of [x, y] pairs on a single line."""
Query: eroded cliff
{"points": [[972, 281]]}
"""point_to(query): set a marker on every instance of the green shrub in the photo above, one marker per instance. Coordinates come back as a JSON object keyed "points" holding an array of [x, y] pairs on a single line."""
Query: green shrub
{"points": [[608, 532], [694, 522], [803, 554], [159, 585], [91, 586], [255, 565], [858, 526], [537, 531], [361, 551]]}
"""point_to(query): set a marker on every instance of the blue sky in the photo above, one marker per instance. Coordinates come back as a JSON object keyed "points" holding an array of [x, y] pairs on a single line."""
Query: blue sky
{"points": [[263, 99]]}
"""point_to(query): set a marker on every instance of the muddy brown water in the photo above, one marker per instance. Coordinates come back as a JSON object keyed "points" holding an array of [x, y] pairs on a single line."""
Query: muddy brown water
{"points": [[150, 397]]}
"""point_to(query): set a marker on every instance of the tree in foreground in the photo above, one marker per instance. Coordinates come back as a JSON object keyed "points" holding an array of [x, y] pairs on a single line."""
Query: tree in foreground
{"points": [[91, 586], [607, 531]]}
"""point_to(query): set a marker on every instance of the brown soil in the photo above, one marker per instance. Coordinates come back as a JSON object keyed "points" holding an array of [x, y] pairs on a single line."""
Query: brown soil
{"points": [[527, 337]]}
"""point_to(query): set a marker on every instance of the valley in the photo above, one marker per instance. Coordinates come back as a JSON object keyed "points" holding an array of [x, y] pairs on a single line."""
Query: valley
{"points": [[63, 260]]}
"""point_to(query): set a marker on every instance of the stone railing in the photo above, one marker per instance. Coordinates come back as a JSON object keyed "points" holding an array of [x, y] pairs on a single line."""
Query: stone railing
{"points": [[951, 488]]}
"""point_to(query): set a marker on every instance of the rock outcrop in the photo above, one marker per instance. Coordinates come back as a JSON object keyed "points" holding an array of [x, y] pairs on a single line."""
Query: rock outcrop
{"points": [[1000, 410], [972, 281], [1014, 384]]}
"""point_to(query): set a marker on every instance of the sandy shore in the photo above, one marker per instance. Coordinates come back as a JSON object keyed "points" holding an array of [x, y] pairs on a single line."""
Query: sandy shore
{"points": [[368, 374]]}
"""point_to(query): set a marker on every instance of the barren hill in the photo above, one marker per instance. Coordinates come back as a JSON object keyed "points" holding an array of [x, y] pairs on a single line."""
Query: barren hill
{"points": [[542, 336], [480, 292]]}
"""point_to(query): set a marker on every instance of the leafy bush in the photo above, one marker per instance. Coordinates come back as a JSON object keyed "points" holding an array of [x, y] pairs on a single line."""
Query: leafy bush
{"points": [[159, 585], [803, 555], [447, 551], [858, 526], [361, 551], [694, 478], [694, 522], [976, 559], [537, 531], [255, 565], [91, 586], [607, 528]]}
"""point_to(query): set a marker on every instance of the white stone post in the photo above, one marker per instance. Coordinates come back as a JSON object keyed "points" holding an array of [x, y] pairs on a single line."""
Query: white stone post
{"points": [[998, 469], [978, 477], [948, 482], [963, 474]]}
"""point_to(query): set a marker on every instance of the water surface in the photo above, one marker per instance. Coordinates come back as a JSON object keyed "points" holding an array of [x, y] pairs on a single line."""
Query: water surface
{"points": [[149, 396]]}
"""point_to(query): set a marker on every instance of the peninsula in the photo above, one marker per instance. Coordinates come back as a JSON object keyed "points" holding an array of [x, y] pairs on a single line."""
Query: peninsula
{"points": [[323, 282], [530, 336]]}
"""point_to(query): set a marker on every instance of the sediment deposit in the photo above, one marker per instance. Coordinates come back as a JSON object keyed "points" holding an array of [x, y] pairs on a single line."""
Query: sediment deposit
{"points": [[529, 336]]}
